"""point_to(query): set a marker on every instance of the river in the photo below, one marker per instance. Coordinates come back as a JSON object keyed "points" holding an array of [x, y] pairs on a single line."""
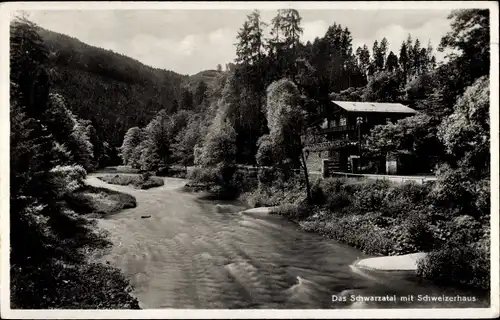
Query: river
{"points": [[194, 253]]}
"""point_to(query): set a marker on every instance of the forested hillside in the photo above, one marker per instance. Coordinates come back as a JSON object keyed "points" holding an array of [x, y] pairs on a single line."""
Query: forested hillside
{"points": [[111, 90]]}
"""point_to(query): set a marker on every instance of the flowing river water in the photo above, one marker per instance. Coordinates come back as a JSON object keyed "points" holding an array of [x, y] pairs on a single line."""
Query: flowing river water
{"points": [[193, 253]]}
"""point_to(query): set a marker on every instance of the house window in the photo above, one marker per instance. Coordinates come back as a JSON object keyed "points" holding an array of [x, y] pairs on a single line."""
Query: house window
{"points": [[343, 121]]}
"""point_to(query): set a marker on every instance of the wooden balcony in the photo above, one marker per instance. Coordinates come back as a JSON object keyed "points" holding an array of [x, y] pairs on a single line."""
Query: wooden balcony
{"points": [[346, 128], [331, 145]]}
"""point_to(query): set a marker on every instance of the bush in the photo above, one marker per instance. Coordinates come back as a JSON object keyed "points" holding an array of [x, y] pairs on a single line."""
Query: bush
{"points": [[245, 180], [67, 286], [293, 211], [404, 198], [218, 180], [359, 232], [465, 229], [99, 200], [143, 181], [369, 196], [260, 197], [412, 235], [467, 265], [68, 178]]}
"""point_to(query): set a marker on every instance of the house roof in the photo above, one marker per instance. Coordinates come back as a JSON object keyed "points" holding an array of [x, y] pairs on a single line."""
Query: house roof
{"points": [[374, 107]]}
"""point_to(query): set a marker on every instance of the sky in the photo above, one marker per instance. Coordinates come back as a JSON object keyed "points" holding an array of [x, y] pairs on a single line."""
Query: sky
{"points": [[189, 41]]}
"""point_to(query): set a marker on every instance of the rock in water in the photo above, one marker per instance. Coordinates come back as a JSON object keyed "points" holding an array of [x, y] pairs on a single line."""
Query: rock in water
{"points": [[145, 217]]}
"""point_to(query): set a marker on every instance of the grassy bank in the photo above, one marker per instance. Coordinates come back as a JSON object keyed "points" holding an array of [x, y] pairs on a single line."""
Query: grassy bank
{"points": [[101, 201], [137, 181]]}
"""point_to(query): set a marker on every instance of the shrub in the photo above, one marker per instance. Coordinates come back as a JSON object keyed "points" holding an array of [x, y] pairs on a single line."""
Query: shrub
{"points": [[369, 196], [293, 211], [412, 234], [465, 229], [359, 232], [245, 180], [259, 197], [99, 200], [67, 286], [68, 178], [219, 180], [403, 198], [150, 183], [143, 181], [467, 265]]}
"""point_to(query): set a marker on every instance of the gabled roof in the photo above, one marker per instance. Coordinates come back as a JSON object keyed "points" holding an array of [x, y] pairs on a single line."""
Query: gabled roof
{"points": [[374, 107]]}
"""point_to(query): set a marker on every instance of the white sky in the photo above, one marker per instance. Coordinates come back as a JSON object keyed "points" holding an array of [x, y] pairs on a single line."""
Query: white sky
{"points": [[189, 41]]}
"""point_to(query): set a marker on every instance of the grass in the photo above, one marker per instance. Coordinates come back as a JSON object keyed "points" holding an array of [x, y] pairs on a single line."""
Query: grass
{"points": [[136, 181], [102, 201]]}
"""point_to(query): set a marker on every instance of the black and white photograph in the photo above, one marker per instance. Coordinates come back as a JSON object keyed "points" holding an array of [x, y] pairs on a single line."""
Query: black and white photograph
{"points": [[249, 160]]}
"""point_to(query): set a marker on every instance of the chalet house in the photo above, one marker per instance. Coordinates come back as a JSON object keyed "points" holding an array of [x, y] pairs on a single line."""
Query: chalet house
{"points": [[343, 130]]}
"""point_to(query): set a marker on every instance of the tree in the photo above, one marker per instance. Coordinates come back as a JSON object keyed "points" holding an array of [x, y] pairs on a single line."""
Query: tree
{"points": [[379, 54], [186, 140], [156, 153], [383, 87], [132, 139], [284, 42], [392, 62], [404, 61], [219, 68], [363, 55], [200, 93], [186, 100], [29, 66], [220, 143], [469, 36], [469, 59], [463, 182], [255, 37], [413, 139], [287, 124], [83, 150], [69, 131], [243, 48], [465, 133], [274, 43], [247, 84], [416, 62]]}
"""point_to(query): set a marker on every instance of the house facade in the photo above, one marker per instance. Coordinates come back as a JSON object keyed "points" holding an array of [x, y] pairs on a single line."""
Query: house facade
{"points": [[344, 129]]}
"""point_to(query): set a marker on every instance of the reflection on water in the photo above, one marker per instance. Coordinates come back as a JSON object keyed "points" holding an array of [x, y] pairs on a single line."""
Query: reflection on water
{"points": [[202, 254]]}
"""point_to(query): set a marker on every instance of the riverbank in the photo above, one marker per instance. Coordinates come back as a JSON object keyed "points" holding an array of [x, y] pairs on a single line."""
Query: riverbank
{"points": [[390, 220]]}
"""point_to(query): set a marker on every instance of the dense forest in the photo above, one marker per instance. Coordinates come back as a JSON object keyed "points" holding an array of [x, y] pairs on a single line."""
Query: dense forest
{"points": [[324, 69], [73, 105]]}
